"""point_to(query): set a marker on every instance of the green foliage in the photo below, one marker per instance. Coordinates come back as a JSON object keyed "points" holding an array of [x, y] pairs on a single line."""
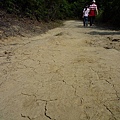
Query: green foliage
{"points": [[110, 12], [99, 17], [62, 9]]}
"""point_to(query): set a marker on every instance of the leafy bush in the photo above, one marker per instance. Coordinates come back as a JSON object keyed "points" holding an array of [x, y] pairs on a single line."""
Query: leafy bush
{"points": [[62, 9]]}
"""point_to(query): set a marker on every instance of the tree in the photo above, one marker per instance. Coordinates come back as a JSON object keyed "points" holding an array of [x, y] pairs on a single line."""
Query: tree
{"points": [[61, 9]]}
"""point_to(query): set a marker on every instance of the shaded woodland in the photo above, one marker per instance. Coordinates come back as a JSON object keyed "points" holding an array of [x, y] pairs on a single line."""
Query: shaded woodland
{"points": [[50, 10]]}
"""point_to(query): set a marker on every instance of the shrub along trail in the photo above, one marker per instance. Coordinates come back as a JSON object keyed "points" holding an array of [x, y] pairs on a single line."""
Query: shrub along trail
{"points": [[68, 73]]}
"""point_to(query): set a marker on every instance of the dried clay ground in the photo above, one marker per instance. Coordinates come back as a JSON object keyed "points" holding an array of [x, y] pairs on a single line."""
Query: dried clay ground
{"points": [[67, 73]]}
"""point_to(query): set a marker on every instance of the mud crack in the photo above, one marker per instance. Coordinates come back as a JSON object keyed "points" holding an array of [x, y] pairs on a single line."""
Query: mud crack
{"points": [[45, 112], [114, 89], [36, 100], [28, 117], [75, 90], [110, 112]]}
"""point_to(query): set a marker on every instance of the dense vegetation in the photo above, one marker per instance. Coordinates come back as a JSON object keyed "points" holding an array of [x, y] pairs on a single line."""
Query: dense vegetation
{"points": [[62, 9]]}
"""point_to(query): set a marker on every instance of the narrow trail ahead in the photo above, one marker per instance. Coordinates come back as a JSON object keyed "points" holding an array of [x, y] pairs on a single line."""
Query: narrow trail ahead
{"points": [[69, 73]]}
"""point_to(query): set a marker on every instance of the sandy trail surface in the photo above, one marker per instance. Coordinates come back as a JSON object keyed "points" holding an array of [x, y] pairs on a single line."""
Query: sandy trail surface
{"points": [[68, 73]]}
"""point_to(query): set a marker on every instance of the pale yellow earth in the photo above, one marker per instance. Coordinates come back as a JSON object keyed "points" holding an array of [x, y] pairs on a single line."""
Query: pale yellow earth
{"points": [[65, 74]]}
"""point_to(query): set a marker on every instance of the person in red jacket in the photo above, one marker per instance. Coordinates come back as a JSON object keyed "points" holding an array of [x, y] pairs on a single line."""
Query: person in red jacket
{"points": [[93, 12]]}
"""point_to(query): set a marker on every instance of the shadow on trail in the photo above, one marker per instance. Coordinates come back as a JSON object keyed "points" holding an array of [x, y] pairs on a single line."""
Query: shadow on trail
{"points": [[104, 33]]}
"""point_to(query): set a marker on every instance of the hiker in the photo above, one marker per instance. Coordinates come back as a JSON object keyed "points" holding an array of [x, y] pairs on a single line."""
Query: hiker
{"points": [[86, 11], [93, 12]]}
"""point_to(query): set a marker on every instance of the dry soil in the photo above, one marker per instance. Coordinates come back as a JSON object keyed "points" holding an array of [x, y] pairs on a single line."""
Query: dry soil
{"points": [[68, 73]]}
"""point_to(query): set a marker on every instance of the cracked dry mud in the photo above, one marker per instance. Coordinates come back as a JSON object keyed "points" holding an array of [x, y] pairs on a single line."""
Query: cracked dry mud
{"points": [[66, 74]]}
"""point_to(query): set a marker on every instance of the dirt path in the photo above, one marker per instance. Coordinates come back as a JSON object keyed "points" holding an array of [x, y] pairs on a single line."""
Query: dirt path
{"points": [[69, 73]]}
